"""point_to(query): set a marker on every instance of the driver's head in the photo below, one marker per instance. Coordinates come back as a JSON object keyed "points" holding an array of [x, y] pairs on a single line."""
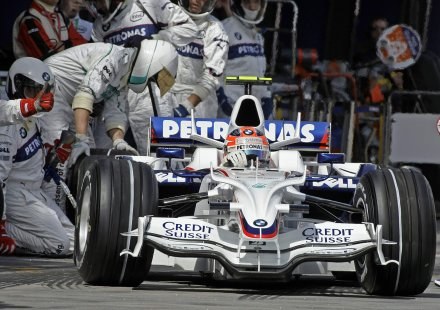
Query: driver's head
{"points": [[27, 77], [250, 141], [155, 60]]}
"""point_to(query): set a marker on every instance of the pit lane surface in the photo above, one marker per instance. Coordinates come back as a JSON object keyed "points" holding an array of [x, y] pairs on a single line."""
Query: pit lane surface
{"points": [[43, 283]]}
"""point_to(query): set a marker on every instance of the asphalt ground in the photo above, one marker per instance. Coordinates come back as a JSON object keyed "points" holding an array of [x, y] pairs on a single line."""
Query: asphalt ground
{"points": [[44, 283]]}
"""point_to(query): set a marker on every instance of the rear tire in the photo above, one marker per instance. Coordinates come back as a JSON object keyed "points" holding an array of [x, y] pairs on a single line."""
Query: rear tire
{"points": [[401, 201], [112, 195]]}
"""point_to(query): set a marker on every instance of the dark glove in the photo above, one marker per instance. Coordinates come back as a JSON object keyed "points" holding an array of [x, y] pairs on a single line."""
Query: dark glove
{"points": [[56, 153], [180, 111], [267, 106], [223, 101]]}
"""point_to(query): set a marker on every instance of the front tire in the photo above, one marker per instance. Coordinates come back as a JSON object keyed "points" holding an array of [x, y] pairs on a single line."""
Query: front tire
{"points": [[401, 201], [112, 196]]}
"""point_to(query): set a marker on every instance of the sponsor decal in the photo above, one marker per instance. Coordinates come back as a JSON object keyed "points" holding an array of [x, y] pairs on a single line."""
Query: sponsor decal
{"points": [[242, 50], [328, 235], [106, 73], [257, 243], [29, 149], [336, 183], [46, 76], [218, 129], [121, 36], [169, 178], [259, 185], [237, 35], [187, 230], [23, 132], [260, 223], [192, 50], [136, 16]]}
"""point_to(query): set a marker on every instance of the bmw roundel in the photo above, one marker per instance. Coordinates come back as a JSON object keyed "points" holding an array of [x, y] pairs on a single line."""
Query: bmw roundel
{"points": [[46, 76], [260, 223], [23, 132], [248, 132], [237, 35]]}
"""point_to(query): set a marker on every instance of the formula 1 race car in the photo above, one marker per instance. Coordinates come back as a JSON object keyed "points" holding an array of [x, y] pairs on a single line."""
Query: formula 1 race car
{"points": [[252, 206]]}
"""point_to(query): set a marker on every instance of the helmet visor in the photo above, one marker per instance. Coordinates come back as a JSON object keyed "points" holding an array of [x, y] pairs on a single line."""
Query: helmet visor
{"points": [[36, 90], [198, 6]]}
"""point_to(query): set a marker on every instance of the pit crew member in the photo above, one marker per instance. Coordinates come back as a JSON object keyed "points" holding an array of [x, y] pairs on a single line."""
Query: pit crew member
{"points": [[101, 72], [33, 220], [245, 56], [201, 63], [41, 31], [120, 22]]}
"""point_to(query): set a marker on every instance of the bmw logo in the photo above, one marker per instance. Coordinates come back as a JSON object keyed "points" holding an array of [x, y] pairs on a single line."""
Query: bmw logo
{"points": [[260, 223], [248, 132], [46, 76], [23, 133], [237, 35]]}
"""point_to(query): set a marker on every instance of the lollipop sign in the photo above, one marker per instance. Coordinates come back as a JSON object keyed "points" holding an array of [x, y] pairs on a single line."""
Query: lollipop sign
{"points": [[399, 47]]}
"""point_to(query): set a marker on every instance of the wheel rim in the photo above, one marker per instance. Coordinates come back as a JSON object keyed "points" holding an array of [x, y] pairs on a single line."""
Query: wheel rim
{"points": [[84, 221], [360, 204]]}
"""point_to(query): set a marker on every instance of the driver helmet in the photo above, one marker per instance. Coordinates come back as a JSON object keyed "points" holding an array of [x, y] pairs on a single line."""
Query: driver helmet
{"points": [[27, 77], [105, 8], [155, 60], [252, 142], [249, 11], [197, 8]]}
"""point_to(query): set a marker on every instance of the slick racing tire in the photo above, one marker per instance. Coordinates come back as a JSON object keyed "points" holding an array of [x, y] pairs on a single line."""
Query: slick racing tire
{"points": [[401, 201], [113, 195], [77, 172]]}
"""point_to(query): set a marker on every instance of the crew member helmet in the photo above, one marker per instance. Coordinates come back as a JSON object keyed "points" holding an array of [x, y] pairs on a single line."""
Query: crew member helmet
{"points": [[197, 8], [27, 77], [252, 142], [240, 10], [155, 60]]}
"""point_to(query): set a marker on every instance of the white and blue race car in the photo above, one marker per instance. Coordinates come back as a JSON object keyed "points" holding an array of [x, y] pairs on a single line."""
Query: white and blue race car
{"points": [[260, 216]]}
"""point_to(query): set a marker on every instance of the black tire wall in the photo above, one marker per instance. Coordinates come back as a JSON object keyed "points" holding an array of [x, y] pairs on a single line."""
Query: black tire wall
{"points": [[401, 201], [121, 191]]}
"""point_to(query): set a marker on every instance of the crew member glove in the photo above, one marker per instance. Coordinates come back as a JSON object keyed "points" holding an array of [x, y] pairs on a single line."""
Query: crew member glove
{"points": [[183, 109], [31, 106], [236, 159], [7, 244], [81, 146], [122, 145], [62, 151]]}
